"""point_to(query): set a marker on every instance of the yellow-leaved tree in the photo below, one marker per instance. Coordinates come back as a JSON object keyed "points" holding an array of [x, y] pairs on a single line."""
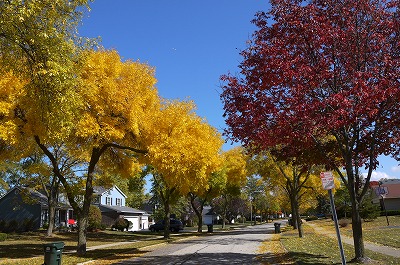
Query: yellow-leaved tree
{"points": [[38, 84], [235, 169], [199, 197], [298, 180], [118, 101], [38, 44], [183, 150]]}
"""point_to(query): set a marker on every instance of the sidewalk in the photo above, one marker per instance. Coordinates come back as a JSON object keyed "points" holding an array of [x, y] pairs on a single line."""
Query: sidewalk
{"points": [[390, 251]]}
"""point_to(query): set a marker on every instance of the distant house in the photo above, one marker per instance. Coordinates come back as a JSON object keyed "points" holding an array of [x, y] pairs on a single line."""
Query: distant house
{"points": [[111, 203], [387, 193], [209, 216], [26, 206]]}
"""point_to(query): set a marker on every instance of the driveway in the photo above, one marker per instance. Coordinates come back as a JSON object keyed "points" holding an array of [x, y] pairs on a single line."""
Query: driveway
{"points": [[239, 246]]}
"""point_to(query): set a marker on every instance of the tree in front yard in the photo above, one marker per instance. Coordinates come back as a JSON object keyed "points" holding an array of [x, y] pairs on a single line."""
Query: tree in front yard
{"points": [[94, 218], [322, 76]]}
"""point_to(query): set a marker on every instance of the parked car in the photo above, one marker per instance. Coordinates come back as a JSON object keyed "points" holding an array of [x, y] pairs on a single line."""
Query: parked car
{"points": [[175, 225]]}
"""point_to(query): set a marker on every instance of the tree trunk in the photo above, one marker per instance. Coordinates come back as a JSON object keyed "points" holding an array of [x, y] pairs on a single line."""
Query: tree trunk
{"points": [[82, 229], [357, 232], [224, 212], [199, 213], [83, 216], [200, 224], [298, 218], [52, 199], [52, 214], [294, 212], [254, 214], [167, 220]]}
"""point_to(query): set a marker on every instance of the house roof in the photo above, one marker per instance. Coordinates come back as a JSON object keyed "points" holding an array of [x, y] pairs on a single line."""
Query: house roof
{"points": [[121, 209], [35, 197], [98, 190], [207, 210]]}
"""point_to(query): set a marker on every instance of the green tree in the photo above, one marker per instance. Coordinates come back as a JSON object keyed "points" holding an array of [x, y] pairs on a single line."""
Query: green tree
{"points": [[94, 218]]}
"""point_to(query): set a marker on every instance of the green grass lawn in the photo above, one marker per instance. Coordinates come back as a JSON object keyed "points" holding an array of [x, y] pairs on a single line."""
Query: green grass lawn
{"points": [[387, 235], [28, 249], [319, 249]]}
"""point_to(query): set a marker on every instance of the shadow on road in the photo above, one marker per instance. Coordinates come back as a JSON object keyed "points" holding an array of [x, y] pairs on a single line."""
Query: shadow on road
{"points": [[197, 258]]}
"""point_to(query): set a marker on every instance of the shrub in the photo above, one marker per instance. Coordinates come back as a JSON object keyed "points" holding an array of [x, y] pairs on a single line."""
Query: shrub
{"points": [[130, 225], [344, 222], [390, 212], [28, 224], [3, 226], [45, 226], [3, 236], [311, 218], [241, 219], [94, 218], [121, 224], [12, 226], [369, 211]]}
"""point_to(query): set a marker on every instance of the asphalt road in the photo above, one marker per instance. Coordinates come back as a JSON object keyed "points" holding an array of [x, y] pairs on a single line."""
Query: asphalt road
{"points": [[239, 246]]}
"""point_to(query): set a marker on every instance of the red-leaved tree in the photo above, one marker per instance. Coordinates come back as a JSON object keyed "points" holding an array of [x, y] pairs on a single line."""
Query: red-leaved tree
{"points": [[322, 76]]}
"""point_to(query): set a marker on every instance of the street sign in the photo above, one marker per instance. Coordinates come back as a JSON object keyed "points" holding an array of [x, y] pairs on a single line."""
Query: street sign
{"points": [[327, 180], [328, 184], [381, 191]]}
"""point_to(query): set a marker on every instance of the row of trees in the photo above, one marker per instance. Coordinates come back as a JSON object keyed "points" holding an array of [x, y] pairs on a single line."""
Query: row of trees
{"points": [[81, 115], [73, 116], [319, 86]]}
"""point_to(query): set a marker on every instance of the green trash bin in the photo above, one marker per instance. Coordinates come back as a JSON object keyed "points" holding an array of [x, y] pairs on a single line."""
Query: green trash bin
{"points": [[53, 253], [277, 228]]}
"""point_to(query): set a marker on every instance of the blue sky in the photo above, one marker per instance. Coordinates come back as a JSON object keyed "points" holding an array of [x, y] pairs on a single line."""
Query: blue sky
{"points": [[190, 43]]}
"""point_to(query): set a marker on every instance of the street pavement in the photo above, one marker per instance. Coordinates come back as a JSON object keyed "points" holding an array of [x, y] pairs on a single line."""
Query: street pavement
{"points": [[241, 246]]}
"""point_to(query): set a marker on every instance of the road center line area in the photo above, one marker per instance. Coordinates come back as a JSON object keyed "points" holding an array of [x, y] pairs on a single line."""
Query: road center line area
{"points": [[239, 246]]}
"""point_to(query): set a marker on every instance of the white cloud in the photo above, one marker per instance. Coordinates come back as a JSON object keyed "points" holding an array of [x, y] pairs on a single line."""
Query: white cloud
{"points": [[395, 169], [378, 175]]}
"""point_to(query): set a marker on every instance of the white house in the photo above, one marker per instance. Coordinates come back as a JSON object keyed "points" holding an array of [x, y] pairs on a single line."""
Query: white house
{"points": [[111, 203]]}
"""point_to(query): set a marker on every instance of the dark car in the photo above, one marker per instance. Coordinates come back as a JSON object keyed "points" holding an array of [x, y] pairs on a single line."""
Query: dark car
{"points": [[175, 225]]}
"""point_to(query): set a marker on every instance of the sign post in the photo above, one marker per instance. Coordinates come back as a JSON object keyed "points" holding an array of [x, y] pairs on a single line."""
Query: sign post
{"points": [[328, 184], [380, 191]]}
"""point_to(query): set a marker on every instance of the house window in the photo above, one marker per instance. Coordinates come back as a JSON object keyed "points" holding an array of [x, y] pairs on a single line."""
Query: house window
{"points": [[108, 201], [118, 202]]}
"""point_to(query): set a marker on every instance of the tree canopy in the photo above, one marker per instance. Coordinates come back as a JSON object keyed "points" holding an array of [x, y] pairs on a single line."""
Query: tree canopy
{"points": [[322, 75], [38, 44], [183, 147]]}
